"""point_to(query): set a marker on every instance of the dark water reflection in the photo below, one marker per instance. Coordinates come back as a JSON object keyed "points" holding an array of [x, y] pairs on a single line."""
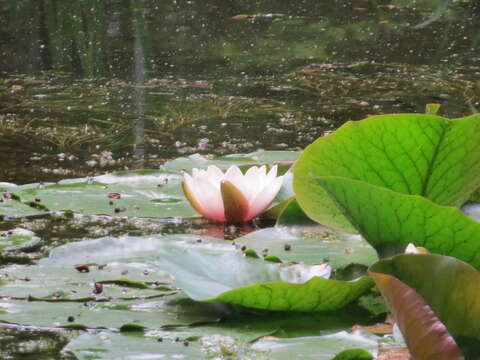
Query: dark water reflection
{"points": [[157, 79]]}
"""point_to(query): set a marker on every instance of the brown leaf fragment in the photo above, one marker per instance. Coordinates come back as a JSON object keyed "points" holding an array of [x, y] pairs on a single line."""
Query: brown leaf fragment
{"points": [[394, 354], [379, 328], [241, 17], [83, 268]]}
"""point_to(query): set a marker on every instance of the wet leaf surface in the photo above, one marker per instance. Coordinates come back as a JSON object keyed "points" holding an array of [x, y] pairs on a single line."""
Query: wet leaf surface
{"points": [[408, 153]]}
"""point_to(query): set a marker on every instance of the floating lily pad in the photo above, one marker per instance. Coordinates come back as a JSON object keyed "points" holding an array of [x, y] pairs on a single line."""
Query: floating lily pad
{"points": [[108, 345], [310, 245], [12, 206], [18, 239], [317, 347], [111, 345], [354, 354], [132, 194], [50, 293], [260, 157], [236, 279], [141, 193], [56, 293]]}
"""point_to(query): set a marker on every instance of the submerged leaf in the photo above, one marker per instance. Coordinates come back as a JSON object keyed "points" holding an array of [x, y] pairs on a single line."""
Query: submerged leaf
{"points": [[417, 154]]}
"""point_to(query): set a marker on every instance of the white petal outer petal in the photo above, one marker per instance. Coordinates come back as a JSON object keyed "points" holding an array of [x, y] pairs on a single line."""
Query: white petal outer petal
{"points": [[252, 172], [188, 179], [215, 174], [210, 198], [191, 184], [264, 198], [252, 182], [411, 249], [194, 172], [273, 172], [192, 199], [263, 170], [235, 176]]}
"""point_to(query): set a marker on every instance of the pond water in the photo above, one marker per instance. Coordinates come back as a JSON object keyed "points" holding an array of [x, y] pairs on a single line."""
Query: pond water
{"points": [[89, 87]]}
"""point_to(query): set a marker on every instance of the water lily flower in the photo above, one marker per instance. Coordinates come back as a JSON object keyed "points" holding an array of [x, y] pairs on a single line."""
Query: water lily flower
{"points": [[412, 249], [231, 196]]}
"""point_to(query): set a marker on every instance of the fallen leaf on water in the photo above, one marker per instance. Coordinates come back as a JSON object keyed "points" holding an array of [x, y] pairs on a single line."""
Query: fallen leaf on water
{"points": [[394, 354], [379, 328]]}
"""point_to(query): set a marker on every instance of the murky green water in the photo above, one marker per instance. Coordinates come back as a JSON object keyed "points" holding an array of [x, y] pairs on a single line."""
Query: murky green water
{"points": [[89, 86]]}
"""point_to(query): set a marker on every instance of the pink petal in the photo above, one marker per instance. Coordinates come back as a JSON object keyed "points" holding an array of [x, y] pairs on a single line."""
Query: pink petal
{"points": [[210, 199], [187, 190]]}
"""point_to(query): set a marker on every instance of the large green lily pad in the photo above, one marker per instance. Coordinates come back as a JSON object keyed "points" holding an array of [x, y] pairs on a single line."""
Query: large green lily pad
{"points": [[389, 220], [138, 289], [232, 278], [215, 270], [413, 154]]}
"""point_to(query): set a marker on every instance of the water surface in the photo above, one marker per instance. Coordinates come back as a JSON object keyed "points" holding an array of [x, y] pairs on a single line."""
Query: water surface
{"points": [[89, 85]]}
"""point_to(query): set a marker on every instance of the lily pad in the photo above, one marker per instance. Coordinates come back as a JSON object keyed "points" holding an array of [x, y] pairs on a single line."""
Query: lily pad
{"points": [[107, 345], [133, 194], [10, 206], [113, 346], [234, 279], [141, 193], [177, 166], [310, 245], [317, 347], [56, 294], [389, 220], [416, 154], [206, 268], [18, 239]]}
